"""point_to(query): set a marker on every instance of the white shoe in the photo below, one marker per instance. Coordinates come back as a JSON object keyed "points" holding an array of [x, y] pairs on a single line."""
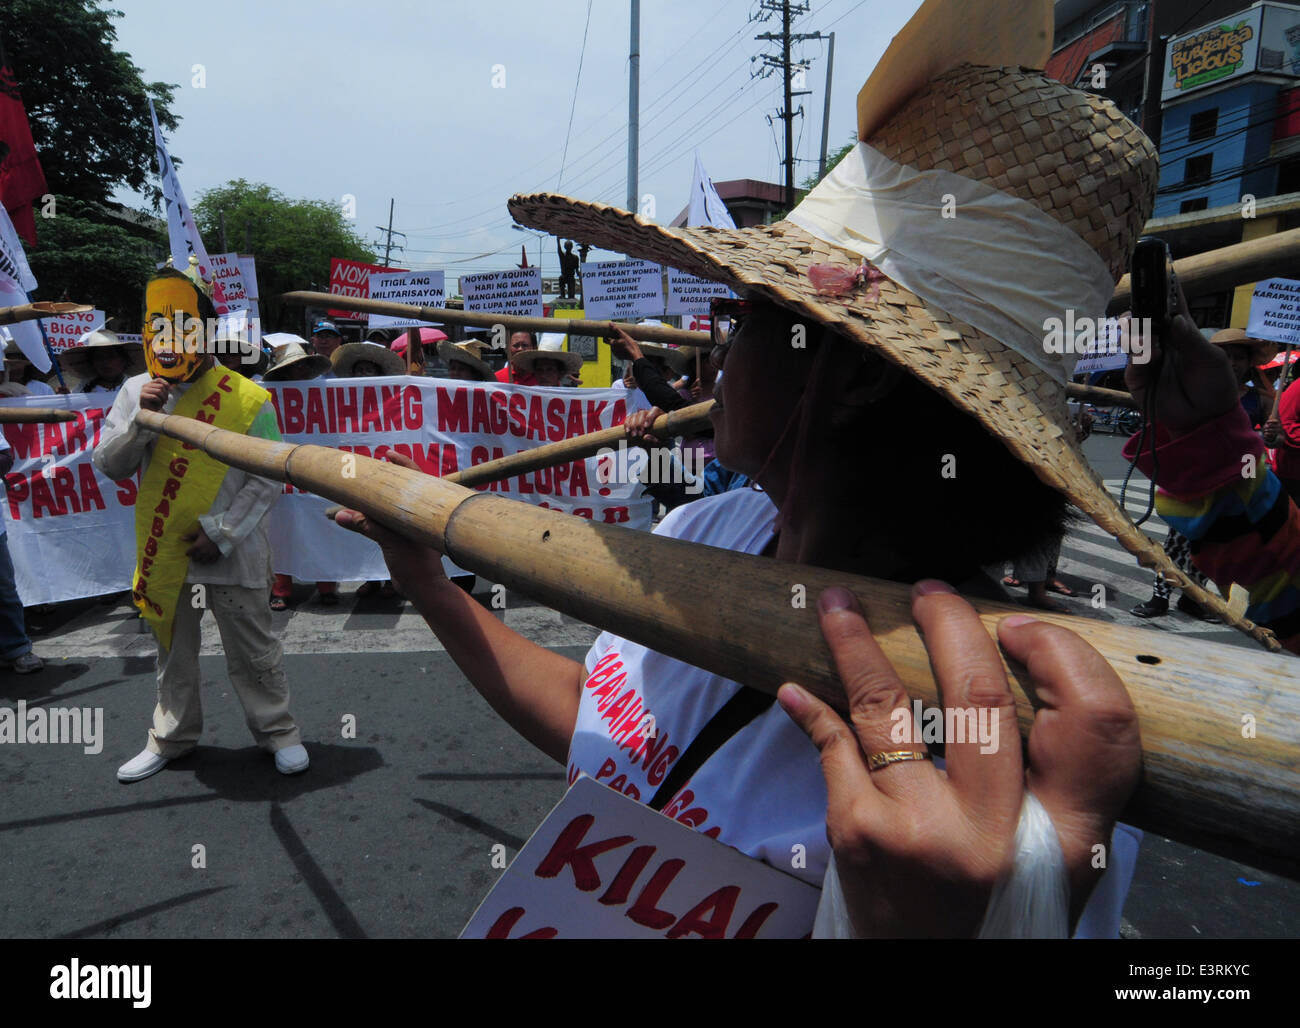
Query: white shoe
{"points": [[141, 766], [292, 759]]}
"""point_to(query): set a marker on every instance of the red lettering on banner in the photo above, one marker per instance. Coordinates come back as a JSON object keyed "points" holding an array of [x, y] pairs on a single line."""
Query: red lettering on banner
{"points": [[536, 419], [604, 695], [755, 920], [77, 433], [169, 488], [578, 480], [595, 408], [164, 509], [315, 416], [615, 710], [644, 911], [207, 419], [480, 421], [126, 490], [568, 850], [151, 547], [497, 409], [25, 440], [157, 528], [618, 413], [53, 442], [291, 414], [518, 421], [555, 419], [369, 409], [453, 409], [616, 515], [42, 497], [390, 399], [575, 426], [345, 409], [90, 496], [214, 400], [16, 490], [413, 407]]}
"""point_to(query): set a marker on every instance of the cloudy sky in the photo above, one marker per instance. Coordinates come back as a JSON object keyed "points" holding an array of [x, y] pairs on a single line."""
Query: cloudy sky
{"points": [[396, 99]]}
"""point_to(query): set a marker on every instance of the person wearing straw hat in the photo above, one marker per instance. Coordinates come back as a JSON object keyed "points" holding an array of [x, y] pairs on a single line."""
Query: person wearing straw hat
{"points": [[902, 317], [548, 364], [20, 375], [465, 361], [366, 360], [290, 362], [102, 363], [1248, 357], [517, 343]]}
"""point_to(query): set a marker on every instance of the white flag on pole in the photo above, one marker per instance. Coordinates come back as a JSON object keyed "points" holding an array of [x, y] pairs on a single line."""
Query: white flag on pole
{"points": [[16, 281], [706, 206], [181, 230]]}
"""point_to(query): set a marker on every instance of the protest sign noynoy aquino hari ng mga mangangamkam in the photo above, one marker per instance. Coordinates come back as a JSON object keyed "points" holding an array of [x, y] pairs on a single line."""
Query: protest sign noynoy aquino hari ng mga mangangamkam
{"points": [[1275, 311], [517, 293]]}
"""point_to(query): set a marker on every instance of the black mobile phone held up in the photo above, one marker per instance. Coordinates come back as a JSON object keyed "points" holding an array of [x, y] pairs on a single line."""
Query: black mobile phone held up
{"points": [[1154, 285]]}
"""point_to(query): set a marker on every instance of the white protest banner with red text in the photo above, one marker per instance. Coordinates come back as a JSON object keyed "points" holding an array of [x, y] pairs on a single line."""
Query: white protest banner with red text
{"points": [[352, 278], [66, 330], [229, 292], [72, 530], [602, 866]]}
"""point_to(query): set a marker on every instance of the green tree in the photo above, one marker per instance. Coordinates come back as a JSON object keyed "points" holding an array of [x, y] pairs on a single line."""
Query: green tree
{"points": [[293, 240], [86, 101], [85, 257]]}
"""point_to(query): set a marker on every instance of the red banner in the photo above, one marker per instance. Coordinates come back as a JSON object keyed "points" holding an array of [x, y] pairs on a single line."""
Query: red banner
{"points": [[352, 278]]}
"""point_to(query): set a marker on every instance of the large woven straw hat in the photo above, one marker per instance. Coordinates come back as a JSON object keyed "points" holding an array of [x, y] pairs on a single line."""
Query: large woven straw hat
{"points": [[470, 354], [955, 92], [1261, 350], [76, 359], [348, 354]]}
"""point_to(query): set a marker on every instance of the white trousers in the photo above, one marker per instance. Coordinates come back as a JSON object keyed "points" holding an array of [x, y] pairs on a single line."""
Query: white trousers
{"points": [[254, 661]]}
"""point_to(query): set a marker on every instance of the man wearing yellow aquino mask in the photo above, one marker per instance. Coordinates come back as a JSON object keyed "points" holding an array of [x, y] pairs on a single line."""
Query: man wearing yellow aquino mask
{"points": [[201, 538]]}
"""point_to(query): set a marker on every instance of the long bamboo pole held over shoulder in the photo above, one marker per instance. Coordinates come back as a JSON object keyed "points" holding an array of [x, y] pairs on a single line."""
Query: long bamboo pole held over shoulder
{"points": [[33, 311], [1205, 783], [38, 415]]}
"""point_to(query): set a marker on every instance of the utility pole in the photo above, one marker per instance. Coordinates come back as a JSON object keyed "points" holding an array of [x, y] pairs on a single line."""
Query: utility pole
{"points": [[634, 108], [388, 245], [788, 11], [826, 110]]}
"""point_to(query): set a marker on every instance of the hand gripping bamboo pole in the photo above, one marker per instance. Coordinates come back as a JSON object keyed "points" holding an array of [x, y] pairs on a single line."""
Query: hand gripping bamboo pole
{"points": [[1220, 725], [27, 415], [32, 311]]}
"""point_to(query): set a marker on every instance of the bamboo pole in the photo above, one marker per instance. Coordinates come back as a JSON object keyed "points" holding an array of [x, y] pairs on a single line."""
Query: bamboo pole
{"points": [[1205, 783], [511, 323], [1100, 396], [1227, 267], [33, 311], [679, 422], [27, 415]]}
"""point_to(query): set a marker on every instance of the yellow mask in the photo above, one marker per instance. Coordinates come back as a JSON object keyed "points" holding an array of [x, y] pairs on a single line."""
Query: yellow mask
{"points": [[175, 339]]}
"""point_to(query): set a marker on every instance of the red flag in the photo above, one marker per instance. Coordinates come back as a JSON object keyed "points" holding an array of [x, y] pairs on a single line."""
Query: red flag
{"points": [[523, 257], [21, 180]]}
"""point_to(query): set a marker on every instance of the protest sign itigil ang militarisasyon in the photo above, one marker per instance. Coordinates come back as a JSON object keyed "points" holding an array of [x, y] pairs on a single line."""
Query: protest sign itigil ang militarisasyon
{"points": [[416, 288]]}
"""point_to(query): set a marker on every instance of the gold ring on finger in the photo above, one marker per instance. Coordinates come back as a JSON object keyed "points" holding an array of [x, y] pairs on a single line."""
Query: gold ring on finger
{"points": [[876, 761]]}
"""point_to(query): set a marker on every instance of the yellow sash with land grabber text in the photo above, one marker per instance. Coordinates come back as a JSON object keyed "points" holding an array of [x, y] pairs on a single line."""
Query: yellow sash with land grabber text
{"points": [[179, 488]]}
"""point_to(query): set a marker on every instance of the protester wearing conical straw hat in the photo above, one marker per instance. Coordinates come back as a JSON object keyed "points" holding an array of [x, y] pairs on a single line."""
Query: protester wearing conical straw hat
{"points": [[1048, 186], [855, 458], [548, 364], [20, 375], [1248, 355], [366, 359], [290, 361], [464, 361], [102, 362]]}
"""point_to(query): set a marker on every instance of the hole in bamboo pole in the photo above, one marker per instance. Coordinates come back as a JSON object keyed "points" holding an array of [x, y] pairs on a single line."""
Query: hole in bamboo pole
{"points": [[1146, 658]]}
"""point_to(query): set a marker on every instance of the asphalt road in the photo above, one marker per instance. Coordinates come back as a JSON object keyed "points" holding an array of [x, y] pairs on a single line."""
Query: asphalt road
{"points": [[390, 833]]}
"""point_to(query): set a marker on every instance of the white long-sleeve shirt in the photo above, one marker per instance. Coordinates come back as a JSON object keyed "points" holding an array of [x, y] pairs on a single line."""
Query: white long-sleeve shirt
{"points": [[236, 522]]}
